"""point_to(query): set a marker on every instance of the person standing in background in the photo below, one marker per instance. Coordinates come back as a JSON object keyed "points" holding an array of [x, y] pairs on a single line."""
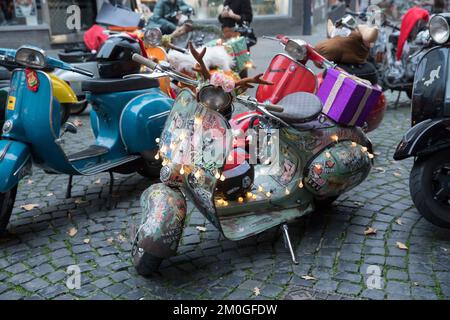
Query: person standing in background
{"points": [[235, 12]]}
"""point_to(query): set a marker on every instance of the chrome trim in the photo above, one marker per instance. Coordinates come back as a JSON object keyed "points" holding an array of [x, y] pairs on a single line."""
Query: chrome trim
{"points": [[159, 115], [23, 165], [5, 150]]}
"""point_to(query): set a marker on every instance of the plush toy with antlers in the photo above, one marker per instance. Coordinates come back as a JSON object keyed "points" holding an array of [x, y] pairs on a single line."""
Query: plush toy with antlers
{"points": [[220, 79]]}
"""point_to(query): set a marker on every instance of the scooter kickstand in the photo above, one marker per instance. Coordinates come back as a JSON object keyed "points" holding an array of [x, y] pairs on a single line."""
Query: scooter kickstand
{"points": [[69, 188], [398, 100], [287, 242], [111, 187]]}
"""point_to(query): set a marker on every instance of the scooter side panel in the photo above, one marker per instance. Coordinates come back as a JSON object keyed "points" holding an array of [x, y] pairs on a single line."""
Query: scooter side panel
{"points": [[35, 118], [106, 114], [338, 169], [143, 120], [15, 163]]}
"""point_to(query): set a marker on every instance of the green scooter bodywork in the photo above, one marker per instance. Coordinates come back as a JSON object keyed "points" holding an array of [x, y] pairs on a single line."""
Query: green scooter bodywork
{"points": [[315, 162]]}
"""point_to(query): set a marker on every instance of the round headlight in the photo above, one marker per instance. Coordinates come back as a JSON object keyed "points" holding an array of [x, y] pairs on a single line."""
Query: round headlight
{"points": [[214, 98], [296, 49], [439, 29], [152, 37]]}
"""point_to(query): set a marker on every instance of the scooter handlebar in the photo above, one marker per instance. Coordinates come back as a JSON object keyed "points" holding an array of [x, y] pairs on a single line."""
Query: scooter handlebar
{"points": [[144, 61], [273, 107], [176, 48], [83, 72], [246, 100]]}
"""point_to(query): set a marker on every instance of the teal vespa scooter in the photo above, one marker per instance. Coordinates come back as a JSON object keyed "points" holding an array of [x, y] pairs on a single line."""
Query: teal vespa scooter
{"points": [[129, 114]]}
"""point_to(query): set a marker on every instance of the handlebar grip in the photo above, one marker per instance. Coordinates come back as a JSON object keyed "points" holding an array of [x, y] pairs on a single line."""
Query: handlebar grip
{"points": [[176, 48], [273, 107], [83, 72], [144, 61]]}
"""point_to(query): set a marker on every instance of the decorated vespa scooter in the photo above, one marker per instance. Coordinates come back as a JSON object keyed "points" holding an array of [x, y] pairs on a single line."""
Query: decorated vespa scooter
{"points": [[129, 115], [282, 177]]}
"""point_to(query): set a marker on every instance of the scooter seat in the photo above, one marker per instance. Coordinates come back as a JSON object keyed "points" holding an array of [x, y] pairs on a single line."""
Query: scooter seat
{"points": [[77, 56], [299, 107], [118, 85]]}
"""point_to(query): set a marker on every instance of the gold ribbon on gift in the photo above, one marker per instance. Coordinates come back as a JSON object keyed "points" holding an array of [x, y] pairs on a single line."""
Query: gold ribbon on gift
{"points": [[338, 85]]}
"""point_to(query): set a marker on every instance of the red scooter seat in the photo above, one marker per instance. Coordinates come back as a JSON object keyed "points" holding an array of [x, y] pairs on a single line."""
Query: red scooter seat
{"points": [[299, 107]]}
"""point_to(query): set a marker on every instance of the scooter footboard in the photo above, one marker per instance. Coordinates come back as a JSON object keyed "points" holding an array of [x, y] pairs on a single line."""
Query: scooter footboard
{"points": [[15, 163], [338, 169], [162, 223]]}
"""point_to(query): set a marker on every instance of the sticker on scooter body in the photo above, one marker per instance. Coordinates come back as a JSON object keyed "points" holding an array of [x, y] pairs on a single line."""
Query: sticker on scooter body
{"points": [[11, 103]]}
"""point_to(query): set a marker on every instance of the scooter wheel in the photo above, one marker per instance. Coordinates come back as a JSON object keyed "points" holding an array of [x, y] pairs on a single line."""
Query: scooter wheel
{"points": [[324, 203], [429, 186], [146, 264], [7, 200], [150, 169]]}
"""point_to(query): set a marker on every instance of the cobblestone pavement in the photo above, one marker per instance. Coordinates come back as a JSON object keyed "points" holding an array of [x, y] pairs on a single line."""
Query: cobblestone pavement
{"points": [[333, 251]]}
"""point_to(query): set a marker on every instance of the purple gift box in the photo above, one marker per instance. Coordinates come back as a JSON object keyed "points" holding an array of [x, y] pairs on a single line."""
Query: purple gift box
{"points": [[347, 99]]}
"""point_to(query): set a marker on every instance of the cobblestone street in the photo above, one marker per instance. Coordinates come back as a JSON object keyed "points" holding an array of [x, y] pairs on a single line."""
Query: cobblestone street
{"points": [[331, 246]]}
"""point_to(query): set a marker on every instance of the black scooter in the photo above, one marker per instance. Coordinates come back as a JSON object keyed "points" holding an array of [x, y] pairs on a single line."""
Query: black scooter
{"points": [[428, 141]]}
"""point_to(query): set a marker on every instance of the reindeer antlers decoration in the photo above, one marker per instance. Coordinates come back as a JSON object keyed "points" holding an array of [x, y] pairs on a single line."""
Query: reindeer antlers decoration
{"points": [[247, 83], [202, 68]]}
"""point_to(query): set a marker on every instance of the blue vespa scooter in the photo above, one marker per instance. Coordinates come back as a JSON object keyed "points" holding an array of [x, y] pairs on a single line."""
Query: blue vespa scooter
{"points": [[127, 116]]}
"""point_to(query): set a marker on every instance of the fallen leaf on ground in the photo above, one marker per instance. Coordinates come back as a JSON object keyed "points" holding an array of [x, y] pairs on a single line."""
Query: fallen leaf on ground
{"points": [[110, 240], [399, 222], [397, 174], [86, 241], [78, 123], [29, 207], [256, 291], [72, 232], [121, 238], [79, 201], [308, 278], [30, 181], [401, 246], [201, 229], [49, 194], [370, 231], [380, 169]]}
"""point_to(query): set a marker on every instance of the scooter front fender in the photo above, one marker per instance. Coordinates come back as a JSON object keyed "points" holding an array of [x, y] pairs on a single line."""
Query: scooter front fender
{"points": [[15, 163], [424, 138], [162, 223]]}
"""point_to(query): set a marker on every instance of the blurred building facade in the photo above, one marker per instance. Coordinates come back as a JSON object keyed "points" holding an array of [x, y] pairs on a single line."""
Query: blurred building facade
{"points": [[43, 22]]}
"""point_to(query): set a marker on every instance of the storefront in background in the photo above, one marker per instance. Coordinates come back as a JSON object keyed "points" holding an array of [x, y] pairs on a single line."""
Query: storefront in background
{"points": [[44, 22], [207, 9]]}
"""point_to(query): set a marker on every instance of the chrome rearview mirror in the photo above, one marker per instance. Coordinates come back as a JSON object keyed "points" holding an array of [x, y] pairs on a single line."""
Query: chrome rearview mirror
{"points": [[31, 57]]}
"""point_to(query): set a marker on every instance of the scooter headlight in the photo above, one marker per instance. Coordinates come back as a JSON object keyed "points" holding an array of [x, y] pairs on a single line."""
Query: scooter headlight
{"points": [[153, 37], [31, 57], [296, 49], [439, 29], [214, 98]]}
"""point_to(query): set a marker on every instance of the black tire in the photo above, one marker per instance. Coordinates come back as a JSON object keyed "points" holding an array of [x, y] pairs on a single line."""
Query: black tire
{"points": [[7, 200], [325, 203], [423, 183], [150, 169], [409, 93], [75, 111], [146, 264]]}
